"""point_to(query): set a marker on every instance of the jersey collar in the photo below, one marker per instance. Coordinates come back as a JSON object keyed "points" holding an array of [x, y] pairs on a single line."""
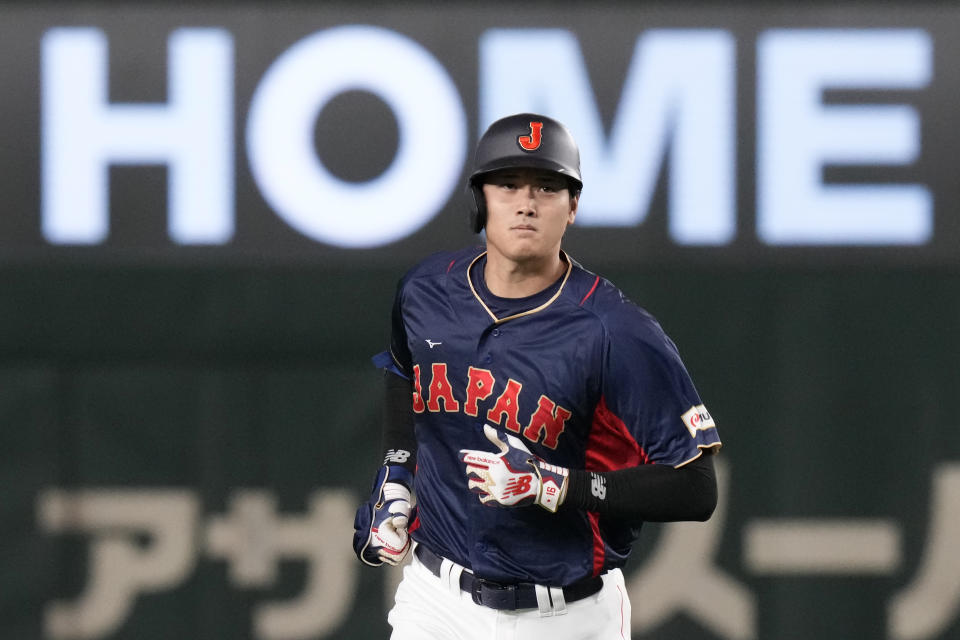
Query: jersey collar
{"points": [[543, 306]]}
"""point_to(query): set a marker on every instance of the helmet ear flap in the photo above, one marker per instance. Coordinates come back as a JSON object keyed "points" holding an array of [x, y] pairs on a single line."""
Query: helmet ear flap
{"points": [[478, 207]]}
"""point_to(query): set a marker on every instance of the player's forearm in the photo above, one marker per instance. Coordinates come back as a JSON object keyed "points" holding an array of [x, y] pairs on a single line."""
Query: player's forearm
{"points": [[652, 492], [398, 434]]}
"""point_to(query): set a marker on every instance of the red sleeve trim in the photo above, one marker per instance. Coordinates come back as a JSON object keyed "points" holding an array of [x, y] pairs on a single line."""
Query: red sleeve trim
{"points": [[592, 289]]}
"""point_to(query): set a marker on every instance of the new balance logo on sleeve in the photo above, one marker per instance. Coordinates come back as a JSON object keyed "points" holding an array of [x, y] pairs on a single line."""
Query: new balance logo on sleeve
{"points": [[598, 486], [397, 456]]}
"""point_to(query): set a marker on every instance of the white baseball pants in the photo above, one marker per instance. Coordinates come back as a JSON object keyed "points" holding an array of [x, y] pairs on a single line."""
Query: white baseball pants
{"points": [[428, 608]]}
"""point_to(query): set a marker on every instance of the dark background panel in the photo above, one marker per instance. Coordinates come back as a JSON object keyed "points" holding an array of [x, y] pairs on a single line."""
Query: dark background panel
{"points": [[831, 388]]}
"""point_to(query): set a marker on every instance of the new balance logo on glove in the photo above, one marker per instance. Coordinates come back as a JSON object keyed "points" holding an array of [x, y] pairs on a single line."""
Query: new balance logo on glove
{"points": [[513, 477]]}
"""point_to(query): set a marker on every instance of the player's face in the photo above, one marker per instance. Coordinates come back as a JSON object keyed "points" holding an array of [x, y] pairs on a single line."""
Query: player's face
{"points": [[528, 211]]}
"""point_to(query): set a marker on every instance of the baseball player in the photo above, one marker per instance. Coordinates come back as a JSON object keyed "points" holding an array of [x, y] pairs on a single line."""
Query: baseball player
{"points": [[538, 415]]}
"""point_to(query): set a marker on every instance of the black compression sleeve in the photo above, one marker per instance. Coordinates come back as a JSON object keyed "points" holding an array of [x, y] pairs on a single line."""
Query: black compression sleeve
{"points": [[398, 435], [650, 492]]}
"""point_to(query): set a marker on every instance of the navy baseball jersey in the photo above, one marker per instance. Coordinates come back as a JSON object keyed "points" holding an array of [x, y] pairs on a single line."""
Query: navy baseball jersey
{"points": [[584, 377]]}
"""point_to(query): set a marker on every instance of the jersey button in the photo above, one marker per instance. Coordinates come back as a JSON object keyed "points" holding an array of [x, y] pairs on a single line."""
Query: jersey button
{"points": [[496, 332], [489, 358]]}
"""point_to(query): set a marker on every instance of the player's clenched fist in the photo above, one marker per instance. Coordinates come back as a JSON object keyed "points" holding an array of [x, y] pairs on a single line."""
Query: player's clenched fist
{"points": [[514, 476], [380, 527]]}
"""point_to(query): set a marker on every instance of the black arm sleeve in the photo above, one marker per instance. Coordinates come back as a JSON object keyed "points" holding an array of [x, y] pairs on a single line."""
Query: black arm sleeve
{"points": [[398, 434], [650, 492]]}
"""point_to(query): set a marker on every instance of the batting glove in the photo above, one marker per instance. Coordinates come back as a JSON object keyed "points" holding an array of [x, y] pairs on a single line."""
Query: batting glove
{"points": [[380, 526], [514, 477]]}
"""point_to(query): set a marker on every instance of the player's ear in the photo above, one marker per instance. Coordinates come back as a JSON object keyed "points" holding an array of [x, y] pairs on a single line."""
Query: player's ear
{"points": [[476, 206], [574, 202]]}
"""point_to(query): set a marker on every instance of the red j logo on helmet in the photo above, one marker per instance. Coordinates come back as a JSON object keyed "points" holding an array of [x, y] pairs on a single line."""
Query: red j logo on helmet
{"points": [[531, 142]]}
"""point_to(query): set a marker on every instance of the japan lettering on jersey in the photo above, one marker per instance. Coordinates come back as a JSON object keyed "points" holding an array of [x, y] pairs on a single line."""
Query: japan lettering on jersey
{"points": [[587, 379]]}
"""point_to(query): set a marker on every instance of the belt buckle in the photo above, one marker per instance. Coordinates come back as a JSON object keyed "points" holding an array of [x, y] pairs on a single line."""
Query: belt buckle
{"points": [[504, 595], [475, 588]]}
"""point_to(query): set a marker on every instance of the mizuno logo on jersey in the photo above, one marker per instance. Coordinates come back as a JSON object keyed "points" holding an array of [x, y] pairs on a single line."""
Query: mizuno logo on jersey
{"points": [[545, 424], [431, 343], [598, 486], [698, 419]]}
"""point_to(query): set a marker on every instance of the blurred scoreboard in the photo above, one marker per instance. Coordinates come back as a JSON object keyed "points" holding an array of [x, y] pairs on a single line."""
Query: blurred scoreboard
{"points": [[740, 135]]}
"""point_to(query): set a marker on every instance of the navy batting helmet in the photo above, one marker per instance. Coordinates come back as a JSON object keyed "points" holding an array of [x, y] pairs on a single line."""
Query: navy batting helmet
{"points": [[523, 140]]}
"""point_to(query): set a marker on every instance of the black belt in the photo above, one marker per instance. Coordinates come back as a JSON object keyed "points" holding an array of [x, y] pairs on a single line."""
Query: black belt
{"points": [[506, 597]]}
